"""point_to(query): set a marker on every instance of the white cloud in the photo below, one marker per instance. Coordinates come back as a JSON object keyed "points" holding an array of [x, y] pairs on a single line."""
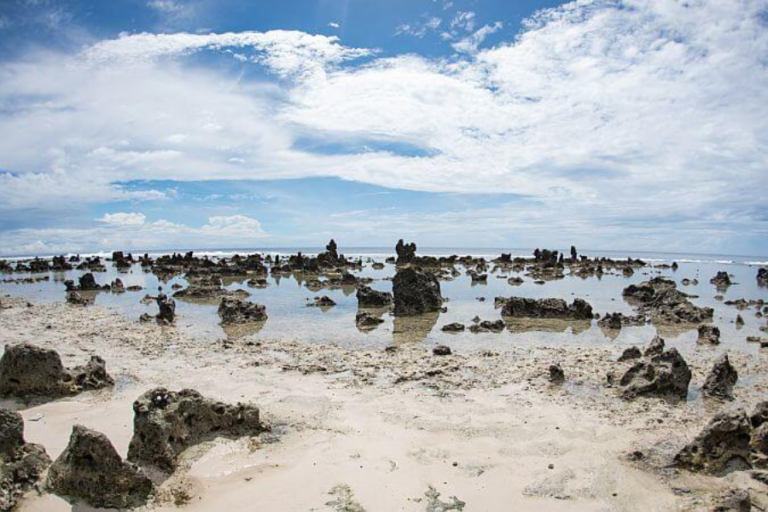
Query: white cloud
{"points": [[624, 112], [123, 219], [420, 29], [226, 231], [470, 43], [333, 24], [166, 6], [285, 52]]}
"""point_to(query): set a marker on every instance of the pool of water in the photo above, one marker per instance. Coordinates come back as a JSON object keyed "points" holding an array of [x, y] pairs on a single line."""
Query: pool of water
{"points": [[286, 300]]}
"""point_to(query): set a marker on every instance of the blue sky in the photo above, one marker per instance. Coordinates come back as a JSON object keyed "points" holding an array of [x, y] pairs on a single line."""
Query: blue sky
{"points": [[146, 124]]}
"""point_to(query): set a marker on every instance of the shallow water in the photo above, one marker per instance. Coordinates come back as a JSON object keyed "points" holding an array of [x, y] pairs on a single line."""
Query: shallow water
{"points": [[286, 300]]}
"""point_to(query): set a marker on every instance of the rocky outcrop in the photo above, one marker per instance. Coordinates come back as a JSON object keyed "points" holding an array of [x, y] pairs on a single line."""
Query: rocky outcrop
{"points": [[709, 333], [660, 300], [453, 327], [721, 379], [556, 374], [366, 321], [655, 347], [615, 321], [322, 302], [167, 308], [721, 280], [630, 354], [723, 446], [27, 371], [21, 463], [415, 292], [86, 283], [367, 297], [546, 308], [406, 253], [441, 350], [488, 326], [90, 470], [166, 423], [663, 375], [732, 500], [762, 276], [238, 311]]}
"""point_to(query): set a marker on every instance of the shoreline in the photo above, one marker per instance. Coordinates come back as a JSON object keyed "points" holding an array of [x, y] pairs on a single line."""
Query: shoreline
{"points": [[380, 428]]}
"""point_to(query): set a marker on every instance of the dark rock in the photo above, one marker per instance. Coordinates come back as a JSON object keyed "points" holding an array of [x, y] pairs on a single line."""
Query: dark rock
{"points": [[27, 371], [441, 350], [655, 347], [628, 271], [415, 292], [322, 302], [367, 297], [762, 276], [406, 253], [709, 333], [723, 446], [630, 353], [515, 281], [660, 299], [90, 470], [167, 308], [238, 311], [76, 299], [721, 379], [739, 321], [556, 374], [664, 375], [721, 280], [365, 320], [21, 463], [453, 327], [488, 326], [88, 283], [166, 423], [547, 308]]}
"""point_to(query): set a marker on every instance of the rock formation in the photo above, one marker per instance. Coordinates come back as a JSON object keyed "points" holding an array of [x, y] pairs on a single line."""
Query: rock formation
{"points": [[367, 297], [239, 311], [546, 308], [21, 463], [27, 371], [709, 333], [723, 446], [660, 300], [721, 379], [415, 292], [166, 423], [90, 470], [664, 375]]}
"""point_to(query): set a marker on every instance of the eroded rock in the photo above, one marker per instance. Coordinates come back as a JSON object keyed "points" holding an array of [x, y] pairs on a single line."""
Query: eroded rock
{"points": [[721, 379], [21, 463], [27, 371], [709, 333], [239, 311], [166, 423], [415, 292], [367, 297], [660, 299], [721, 447], [556, 374], [663, 375], [90, 470], [546, 308], [630, 353]]}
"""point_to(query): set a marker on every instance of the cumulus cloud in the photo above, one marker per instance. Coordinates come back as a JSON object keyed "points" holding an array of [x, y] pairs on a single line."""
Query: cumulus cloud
{"points": [[629, 111]]}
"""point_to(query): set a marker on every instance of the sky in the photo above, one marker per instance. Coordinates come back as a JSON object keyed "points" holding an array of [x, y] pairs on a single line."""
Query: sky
{"points": [[174, 124]]}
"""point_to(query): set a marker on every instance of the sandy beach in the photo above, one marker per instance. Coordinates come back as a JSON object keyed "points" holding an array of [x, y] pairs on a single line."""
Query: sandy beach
{"points": [[397, 429]]}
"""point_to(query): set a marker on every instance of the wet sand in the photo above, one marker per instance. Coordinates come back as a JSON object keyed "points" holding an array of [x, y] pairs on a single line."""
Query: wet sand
{"points": [[386, 429]]}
